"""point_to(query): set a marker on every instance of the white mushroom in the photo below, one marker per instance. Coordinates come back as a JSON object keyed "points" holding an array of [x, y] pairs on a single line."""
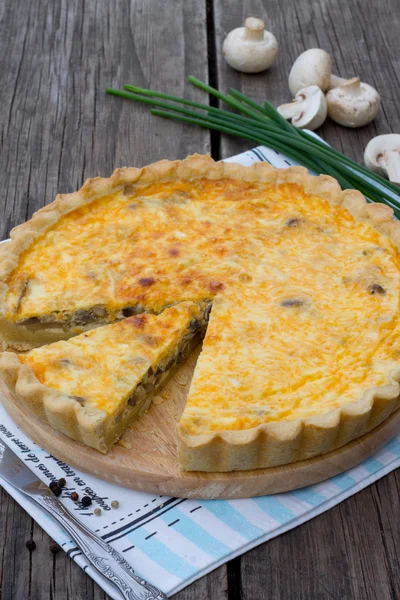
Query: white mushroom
{"points": [[308, 109], [313, 67], [250, 49], [382, 155], [353, 103]]}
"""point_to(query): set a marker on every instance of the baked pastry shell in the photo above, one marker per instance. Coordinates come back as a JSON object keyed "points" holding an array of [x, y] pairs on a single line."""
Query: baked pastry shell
{"points": [[267, 445]]}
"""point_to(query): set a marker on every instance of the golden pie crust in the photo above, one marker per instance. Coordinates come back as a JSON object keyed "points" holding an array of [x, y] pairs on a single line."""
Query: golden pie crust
{"points": [[246, 256]]}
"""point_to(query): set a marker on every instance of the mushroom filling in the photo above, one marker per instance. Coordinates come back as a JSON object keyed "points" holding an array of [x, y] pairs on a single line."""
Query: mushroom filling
{"points": [[292, 302], [296, 304], [97, 315], [156, 376], [375, 288], [294, 222]]}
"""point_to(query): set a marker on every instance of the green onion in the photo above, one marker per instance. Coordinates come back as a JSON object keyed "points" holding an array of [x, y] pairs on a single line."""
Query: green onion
{"points": [[209, 123], [263, 124], [271, 112], [345, 181]]}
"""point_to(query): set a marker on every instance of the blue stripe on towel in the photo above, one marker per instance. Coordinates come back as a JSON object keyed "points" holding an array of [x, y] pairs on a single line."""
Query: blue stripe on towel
{"points": [[162, 554], [274, 508], [371, 465], [193, 532], [394, 446], [233, 518], [309, 496], [343, 481]]}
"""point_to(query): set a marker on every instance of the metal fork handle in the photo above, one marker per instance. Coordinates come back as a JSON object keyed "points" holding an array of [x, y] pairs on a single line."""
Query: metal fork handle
{"points": [[107, 561]]}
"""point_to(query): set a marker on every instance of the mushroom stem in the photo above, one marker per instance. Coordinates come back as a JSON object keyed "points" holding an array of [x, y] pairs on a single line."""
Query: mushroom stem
{"points": [[390, 161], [290, 110], [253, 29], [335, 81], [352, 86]]}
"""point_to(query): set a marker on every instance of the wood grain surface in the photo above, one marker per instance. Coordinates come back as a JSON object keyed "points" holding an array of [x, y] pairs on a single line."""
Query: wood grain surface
{"points": [[57, 128]]}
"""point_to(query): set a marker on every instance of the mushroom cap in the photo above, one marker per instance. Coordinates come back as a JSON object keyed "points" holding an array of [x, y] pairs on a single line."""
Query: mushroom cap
{"points": [[309, 108], [382, 156], [313, 67], [250, 49], [353, 104]]}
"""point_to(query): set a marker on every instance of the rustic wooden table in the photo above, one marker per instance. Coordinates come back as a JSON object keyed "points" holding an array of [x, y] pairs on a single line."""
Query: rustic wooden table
{"points": [[58, 128]]}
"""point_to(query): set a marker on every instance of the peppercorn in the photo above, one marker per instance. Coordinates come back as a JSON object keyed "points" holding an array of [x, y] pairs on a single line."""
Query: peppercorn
{"points": [[30, 544], [56, 490], [54, 547], [97, 512], [86, 501], [74, 496], [61, 482], [115, 503]]}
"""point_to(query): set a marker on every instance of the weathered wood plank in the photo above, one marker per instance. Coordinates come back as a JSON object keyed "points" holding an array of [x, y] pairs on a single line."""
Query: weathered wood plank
{"points": [[212, 587], [57, 126], [39, 574], [16, 565], [58, 577], [351, 551], [362, 41]]}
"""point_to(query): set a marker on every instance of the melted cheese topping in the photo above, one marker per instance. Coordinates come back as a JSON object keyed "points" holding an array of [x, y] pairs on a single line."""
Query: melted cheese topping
{"points": [[166, 243], [305, 314], [101, 368], [282, 362]]}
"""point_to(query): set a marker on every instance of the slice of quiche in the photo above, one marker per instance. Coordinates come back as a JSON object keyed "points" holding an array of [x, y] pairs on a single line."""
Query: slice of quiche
{"points": [[93, 386]]}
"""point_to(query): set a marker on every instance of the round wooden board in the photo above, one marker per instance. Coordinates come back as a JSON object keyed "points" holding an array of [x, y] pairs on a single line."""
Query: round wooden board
{"points": [[148, 462]]}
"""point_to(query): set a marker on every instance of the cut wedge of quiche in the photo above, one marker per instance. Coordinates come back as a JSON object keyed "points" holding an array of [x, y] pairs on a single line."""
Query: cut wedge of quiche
{"points": [[301, 354], [288, 379], [93, 386]]}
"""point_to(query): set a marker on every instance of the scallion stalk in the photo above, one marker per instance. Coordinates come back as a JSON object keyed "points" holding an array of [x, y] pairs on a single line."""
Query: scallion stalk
{"points": [[263, 124]]}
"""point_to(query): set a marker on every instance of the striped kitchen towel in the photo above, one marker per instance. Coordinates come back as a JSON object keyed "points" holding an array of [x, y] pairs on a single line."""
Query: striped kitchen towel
{"points": [[171, 541]]}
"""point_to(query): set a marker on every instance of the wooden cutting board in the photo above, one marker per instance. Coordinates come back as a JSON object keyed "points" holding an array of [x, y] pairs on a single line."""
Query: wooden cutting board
{"points": [[147, 460]]}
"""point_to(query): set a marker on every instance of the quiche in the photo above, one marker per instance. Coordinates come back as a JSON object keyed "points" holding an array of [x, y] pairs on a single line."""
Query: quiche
{"points": [[301, 352], [94, 385]]}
